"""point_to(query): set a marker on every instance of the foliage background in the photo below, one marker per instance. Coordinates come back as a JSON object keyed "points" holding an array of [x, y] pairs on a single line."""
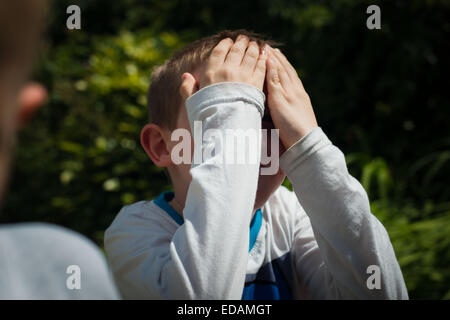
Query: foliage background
{"points": [[380, 95]]}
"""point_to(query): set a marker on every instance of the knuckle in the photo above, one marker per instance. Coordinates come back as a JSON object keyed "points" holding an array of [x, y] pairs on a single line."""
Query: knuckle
{"points": [[290, 100], [217, 51], [227, 73], [239, 46], [209, 75], [235, 49], [252, 53], [261, 66]]}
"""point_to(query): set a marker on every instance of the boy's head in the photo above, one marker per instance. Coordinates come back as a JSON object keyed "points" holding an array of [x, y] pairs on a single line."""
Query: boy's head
{"points": [[163, 98], [167, 112]]}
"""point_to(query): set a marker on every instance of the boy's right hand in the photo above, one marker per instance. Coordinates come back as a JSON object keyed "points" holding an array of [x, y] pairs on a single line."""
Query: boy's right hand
{"points": [[239, 61]]}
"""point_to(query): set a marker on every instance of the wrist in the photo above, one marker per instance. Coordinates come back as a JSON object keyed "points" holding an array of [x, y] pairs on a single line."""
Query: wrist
{"points": [[302, 149], [295, 136]]}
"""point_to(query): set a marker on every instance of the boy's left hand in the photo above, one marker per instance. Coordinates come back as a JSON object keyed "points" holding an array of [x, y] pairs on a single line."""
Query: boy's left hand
{"points": [[289, 104]]}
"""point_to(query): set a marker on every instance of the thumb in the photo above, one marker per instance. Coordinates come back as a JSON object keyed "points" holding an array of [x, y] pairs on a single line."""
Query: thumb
{"points": [[188, 85]]}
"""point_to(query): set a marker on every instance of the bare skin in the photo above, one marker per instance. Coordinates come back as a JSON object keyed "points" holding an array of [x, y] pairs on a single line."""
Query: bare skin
{"points": [[289, 104]]}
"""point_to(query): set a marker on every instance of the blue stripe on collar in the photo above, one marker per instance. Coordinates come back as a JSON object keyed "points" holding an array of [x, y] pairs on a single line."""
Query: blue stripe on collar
{"points": [[255, 225], [163, 202]]}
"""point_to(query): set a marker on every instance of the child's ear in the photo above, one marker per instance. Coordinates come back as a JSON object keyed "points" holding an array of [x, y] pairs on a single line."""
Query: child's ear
{"points": [[154, 143]]}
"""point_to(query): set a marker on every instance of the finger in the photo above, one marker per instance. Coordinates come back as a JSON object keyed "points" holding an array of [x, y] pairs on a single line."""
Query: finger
{"points": [[237, 52], [282, 74], [220, 51], [286, 64], [272, 76], [188, 85], [251, 56], [260, 68]]}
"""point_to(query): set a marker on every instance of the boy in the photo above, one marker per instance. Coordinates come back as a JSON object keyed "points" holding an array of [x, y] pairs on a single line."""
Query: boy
{"points": [[228, 232]]}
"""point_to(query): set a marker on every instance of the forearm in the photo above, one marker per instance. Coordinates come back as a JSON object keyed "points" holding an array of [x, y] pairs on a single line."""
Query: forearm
{"points": [[349, 237], [209, 251]]}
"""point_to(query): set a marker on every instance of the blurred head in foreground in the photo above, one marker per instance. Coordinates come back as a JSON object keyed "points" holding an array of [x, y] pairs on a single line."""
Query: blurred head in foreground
{"points": [[20, 26]]}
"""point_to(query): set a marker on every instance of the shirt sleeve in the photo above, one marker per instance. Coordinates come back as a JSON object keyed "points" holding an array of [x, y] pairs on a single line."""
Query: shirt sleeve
{"points": [[206, 258], [342, 248]]}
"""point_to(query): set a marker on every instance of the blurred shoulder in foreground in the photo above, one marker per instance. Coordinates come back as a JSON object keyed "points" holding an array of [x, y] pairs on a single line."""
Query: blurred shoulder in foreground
{"points": [[44, 261]]}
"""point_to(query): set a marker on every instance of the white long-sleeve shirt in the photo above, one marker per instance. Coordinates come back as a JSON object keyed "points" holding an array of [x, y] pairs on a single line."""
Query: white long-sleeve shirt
{"points": [[316, 243]]}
